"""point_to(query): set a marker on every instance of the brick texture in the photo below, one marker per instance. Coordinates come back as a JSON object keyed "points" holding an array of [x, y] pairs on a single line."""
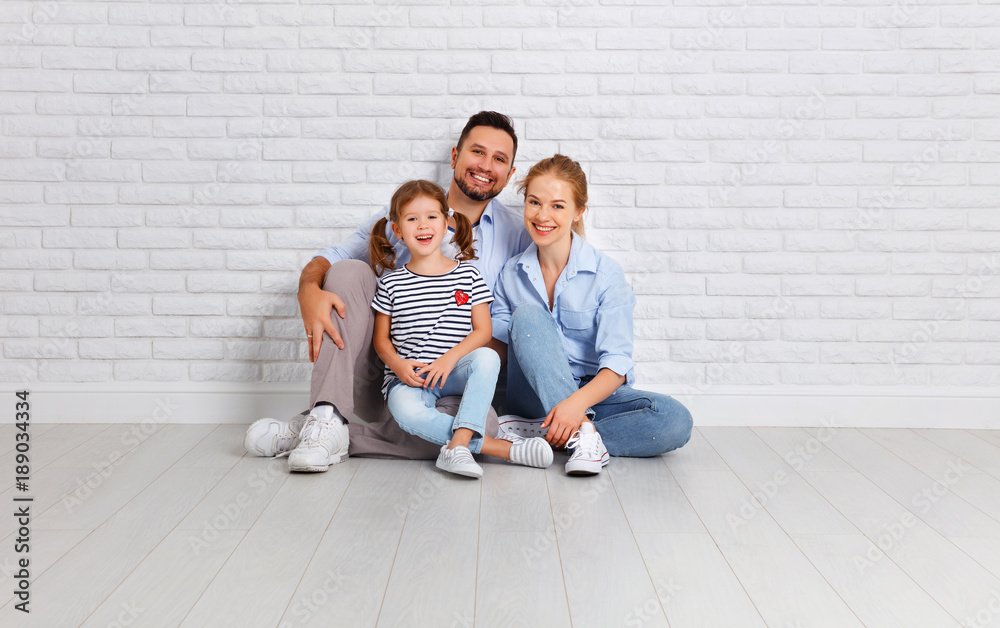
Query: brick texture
{"points": [[801, 193]]}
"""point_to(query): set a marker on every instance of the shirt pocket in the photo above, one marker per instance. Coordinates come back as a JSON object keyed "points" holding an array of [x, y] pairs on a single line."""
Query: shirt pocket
{"points": [[579, 324]]}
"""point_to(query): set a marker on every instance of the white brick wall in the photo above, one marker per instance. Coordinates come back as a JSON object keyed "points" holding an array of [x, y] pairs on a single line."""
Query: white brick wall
{"points": [[802, 195]]}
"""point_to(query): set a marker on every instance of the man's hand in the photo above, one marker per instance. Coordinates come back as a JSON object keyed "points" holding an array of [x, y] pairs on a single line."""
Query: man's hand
{"points": [[564, 419], [437, 371], [405, 371], [316, 306]]}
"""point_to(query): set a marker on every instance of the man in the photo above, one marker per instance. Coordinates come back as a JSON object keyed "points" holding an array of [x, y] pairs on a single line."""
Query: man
{"points": [[335, 293]]}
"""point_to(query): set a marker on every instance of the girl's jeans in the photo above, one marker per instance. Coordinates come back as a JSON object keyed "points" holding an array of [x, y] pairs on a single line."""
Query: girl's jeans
{"points": [[474, 378], [631, 422]]}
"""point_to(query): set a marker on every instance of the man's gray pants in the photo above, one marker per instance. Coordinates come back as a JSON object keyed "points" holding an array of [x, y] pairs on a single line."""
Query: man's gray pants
{"points": [[351, 378]]}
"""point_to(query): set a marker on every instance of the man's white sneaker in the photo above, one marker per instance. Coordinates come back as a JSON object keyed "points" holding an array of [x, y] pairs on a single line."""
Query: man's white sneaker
{"points": [[531, 452], [589, 453], [458, 460], [322, 443], [526, 428], [271, 437]]}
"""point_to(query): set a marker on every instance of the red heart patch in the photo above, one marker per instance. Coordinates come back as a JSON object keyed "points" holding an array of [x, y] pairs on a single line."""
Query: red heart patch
{"points": [[461, 298]]}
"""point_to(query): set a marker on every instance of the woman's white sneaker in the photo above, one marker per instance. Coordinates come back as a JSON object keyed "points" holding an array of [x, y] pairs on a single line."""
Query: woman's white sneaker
{"points": [[322, 442], [589, 453], [271, 437], [459, 461], [527, 428]]}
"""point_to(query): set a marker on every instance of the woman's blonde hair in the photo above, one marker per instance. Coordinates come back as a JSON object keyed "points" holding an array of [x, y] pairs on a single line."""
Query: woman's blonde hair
{"points": [[381, 254], [565, 169]]}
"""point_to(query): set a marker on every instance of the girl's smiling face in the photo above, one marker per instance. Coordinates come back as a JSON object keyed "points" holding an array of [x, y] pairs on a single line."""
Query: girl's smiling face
{"points": [[421, 226], [549, 210]]}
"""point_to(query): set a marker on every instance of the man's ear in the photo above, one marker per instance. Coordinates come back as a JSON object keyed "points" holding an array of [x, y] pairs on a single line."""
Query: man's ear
{"points": [[510, 175], [454, 156]]}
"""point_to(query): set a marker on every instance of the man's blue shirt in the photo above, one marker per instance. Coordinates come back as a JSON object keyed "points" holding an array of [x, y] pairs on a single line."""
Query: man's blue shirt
{"points": [[592, 306]]}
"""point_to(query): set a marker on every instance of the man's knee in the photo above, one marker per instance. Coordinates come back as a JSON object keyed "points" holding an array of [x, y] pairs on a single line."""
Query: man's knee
{"points": [[349, 273]]}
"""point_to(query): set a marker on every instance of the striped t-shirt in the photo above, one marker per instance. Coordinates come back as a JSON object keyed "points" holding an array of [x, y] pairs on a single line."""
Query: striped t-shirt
{"points": [[430, 314]]}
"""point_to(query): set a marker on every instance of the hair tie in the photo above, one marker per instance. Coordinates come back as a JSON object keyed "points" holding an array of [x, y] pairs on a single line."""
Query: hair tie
{"points": [[451, 212]]}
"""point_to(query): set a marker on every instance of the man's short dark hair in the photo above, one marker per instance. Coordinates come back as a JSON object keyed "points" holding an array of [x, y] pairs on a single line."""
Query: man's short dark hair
{"points": [[490, 119]]}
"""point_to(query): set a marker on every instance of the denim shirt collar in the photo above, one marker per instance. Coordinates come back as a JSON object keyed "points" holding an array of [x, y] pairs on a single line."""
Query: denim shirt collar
{"points": [[582, 257]]}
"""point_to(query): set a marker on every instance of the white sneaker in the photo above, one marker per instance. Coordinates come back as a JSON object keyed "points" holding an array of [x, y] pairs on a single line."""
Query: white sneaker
{"points": [[458, 460], [323, 442], [531, 452], [526, 428], [271, 437], [589, 453]]}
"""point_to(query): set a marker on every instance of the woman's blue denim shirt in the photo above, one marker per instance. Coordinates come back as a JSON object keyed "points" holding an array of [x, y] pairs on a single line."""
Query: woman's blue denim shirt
{"points": [[592, 307]]}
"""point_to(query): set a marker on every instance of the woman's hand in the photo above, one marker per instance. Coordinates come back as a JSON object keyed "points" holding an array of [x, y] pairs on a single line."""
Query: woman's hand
{"points": [[563, 421], [405, 370], [437, 371]]}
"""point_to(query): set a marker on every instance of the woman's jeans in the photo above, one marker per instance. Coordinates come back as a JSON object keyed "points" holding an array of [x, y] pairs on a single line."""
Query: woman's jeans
{"points": [[474, 378], [631, 422]]}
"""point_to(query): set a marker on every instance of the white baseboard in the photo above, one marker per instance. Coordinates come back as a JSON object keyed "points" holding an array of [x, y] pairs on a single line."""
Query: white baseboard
{"points": [[213, 402]]}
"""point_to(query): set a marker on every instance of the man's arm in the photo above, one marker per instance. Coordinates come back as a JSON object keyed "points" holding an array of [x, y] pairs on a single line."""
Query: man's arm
{"points": [[315, 304]]}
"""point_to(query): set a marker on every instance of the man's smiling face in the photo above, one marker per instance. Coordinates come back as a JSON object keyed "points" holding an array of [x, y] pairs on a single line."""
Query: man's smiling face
{"points": [[483, 163]]}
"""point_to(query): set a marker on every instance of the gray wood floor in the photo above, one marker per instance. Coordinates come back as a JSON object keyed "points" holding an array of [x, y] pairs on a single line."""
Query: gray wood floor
{"points": [[173, 525]]}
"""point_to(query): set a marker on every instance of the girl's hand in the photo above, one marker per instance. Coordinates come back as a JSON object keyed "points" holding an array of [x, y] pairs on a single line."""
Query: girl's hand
{"points": [[437, 371], [405, 371], [564, 419]]}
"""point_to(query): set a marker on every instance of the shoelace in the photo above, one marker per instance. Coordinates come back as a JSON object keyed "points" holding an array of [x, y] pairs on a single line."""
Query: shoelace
{"points": [[285, 442], [312, 432], [585, 444]]}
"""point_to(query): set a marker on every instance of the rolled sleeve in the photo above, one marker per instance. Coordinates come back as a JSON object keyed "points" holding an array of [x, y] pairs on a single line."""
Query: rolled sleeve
{"points": [[614, 342]]}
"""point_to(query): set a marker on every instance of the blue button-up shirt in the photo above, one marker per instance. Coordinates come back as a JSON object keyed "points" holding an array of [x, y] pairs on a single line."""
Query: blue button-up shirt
{"points": [[498, 236], [592, 306]]}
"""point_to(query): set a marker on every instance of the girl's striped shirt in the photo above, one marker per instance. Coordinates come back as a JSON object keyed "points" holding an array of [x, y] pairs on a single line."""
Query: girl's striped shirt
{"points": [[430, 314]]}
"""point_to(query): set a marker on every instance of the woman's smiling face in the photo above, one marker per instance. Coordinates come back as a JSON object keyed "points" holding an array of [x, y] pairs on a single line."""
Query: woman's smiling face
{"points": [[549, 210]]}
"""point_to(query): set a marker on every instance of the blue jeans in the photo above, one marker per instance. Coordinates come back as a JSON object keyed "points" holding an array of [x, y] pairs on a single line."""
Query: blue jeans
{"points": [[631, 422], [474, 378]]}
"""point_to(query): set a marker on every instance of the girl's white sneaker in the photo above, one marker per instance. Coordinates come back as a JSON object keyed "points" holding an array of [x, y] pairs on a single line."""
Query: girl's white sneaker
{"points": [[459, 461], [531, 452]]}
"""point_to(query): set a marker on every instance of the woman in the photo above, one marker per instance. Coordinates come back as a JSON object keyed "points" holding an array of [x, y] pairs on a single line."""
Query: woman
{"points": [[565, 311]]}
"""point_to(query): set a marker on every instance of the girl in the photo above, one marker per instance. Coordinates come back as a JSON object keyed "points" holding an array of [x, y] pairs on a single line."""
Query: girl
{"points": [[432, 322], [565, 311]]}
